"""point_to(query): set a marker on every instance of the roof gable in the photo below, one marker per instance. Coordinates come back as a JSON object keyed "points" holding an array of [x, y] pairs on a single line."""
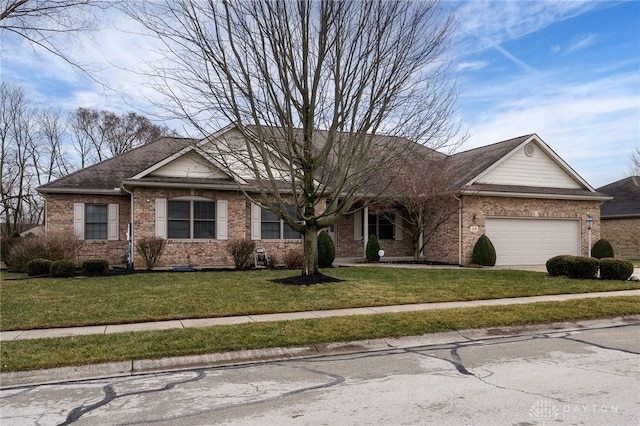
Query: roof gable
{"points": [[531, 163], [189, 165]]}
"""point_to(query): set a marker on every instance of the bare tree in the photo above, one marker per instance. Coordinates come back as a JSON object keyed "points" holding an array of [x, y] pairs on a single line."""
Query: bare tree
{"points": [[634, 163], [423, 193], [41, 22], [98, 135], [330, 97]]}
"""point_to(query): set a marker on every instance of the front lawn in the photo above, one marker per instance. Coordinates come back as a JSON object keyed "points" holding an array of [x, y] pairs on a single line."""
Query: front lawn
{"points": [[48, 302]]}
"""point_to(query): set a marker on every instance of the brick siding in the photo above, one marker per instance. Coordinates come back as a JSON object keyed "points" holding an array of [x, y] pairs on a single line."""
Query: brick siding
{"points": [[624, 236]]}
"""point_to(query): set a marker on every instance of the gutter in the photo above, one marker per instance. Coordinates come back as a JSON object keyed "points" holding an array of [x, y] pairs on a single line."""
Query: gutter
{"points": [[114, 191], [535, 195]]}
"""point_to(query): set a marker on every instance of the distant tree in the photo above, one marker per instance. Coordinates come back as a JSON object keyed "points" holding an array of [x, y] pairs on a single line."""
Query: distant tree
{"points": [[98, 135], [634, 163], [310, 85]]}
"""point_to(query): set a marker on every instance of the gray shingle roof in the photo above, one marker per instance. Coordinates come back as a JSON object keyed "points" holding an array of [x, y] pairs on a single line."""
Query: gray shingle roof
{"points": [[110, 174], [626, 198]]}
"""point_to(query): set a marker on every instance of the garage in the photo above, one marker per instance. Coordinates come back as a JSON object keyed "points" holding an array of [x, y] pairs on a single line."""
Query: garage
{"points": [[531, 241]]}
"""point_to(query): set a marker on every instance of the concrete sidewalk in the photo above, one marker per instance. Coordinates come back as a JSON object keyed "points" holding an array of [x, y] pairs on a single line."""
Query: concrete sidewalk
{"points": [[207, 322]]}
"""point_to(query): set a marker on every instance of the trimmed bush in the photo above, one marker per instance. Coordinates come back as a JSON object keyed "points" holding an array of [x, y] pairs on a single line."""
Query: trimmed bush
{"points": [[95, 267], [557, 265], [38, 267], [373, 247], [601, 249], [483, 252], [151, 249], [242, 252], [582, 267], [63, 269], [326, 250], [615, 269]]}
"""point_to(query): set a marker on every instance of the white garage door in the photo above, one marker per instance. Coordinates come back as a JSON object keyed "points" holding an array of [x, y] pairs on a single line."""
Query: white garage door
{"points": [[532, 241]]}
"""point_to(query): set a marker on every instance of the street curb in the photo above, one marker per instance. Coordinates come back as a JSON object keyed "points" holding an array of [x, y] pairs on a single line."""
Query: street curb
{"points": [[140, 367]]}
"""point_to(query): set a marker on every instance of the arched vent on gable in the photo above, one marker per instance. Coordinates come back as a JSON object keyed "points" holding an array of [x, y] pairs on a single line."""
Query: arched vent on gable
{"points": [[529, 149]]}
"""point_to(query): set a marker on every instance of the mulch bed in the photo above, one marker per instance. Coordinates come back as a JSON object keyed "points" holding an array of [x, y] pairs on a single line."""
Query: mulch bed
{"points": [[307, 280]]}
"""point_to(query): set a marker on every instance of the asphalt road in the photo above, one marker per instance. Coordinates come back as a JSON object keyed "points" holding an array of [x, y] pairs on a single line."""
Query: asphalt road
{"points": [[572, 375]]}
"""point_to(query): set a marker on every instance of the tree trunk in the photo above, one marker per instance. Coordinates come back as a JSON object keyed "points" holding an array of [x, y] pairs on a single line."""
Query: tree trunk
{"points": [[310, 265]]}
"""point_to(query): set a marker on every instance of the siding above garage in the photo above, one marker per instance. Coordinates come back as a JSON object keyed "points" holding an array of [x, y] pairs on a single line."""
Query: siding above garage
{"points": [[529, 165]]}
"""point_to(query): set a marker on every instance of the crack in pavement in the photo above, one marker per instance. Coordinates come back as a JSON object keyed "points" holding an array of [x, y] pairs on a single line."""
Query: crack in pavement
{"points": [[111, 395]]}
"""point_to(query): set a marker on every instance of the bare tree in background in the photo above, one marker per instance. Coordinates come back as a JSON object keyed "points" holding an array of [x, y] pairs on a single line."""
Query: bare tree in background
{"points": [[311, 86], [634, 163], [41, 22], [98, 135]]}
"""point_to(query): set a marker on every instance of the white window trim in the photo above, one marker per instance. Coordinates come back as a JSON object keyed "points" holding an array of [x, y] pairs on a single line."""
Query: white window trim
{"points": [[222, 218], [113, 221], [256, 226]]}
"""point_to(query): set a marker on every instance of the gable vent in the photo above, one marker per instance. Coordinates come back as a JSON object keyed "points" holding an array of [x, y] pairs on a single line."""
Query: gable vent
{"points": [[529, 149]]}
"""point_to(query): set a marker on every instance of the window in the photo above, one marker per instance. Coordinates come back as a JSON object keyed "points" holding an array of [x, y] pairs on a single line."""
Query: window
{"points": [[191, 219], [382, 226], [95, 221], [272, 227]]}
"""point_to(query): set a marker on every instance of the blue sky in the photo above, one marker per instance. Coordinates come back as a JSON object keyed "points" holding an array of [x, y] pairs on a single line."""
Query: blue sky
{"points": [[566, 70]]}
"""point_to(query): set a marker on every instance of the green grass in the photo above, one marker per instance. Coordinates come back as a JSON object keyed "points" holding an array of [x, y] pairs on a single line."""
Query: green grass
{"points": [[46, 303], [21, 355]]}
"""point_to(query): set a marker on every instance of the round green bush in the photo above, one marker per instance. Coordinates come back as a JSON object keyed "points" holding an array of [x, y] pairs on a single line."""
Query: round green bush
{"points": [[373, 247], [38, 267], [601, 249], [615, 269], [63, 269], [557, 265], [95, 267], [484, 253], [326, 250], [582, 267]]}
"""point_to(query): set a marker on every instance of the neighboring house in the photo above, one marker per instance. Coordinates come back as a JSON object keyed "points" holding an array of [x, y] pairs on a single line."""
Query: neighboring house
{"points": [[519, 192], [621, 217]]}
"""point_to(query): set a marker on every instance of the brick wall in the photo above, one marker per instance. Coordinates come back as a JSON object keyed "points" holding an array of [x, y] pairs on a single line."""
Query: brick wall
{"points": [[59, 218], [475, 209], [624, 236]]}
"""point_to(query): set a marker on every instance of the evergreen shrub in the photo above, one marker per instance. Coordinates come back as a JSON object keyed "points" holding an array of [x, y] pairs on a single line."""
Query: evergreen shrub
{"points": [[601, 249], [582, 267], [326, 250], [373, 247], [615, 269], [95, 267], [38, 267], [64, 268], [557, 265], [484, 253]]}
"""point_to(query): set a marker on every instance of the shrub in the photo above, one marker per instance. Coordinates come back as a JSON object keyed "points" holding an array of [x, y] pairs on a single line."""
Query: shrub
{"points": [[38, 267], [151, 249], [601, 249], [557, 265], [615, 269], [483, 252], [373, 247], [63, 269], [326, 250], [53, 246], [582, 267], [95, 267], [293, 259], [242, 252]]}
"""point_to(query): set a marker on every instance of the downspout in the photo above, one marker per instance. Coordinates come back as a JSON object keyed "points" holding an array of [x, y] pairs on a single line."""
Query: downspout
{"points": [[365, 231], [459, 229], [131, 242]]}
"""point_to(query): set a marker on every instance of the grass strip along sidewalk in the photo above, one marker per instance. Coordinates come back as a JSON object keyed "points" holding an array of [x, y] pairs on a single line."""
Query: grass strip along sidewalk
{"points": [[25, 355]]}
